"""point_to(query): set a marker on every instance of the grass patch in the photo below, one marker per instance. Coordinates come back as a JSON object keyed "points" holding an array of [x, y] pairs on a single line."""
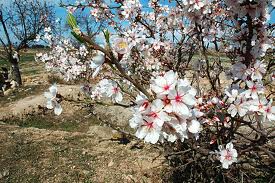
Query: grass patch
{"points": [[74, 123]]}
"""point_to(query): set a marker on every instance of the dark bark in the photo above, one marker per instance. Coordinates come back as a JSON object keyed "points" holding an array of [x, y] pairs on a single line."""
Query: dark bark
{"points": [[16, 72], [15, 66]]}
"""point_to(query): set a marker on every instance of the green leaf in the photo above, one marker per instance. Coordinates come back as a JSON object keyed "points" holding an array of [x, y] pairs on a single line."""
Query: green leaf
{"points": [[107, 36], [71, 21], [78, 37]]}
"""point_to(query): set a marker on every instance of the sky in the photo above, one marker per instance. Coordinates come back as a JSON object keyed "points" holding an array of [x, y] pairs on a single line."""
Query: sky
{"points": [[61, 13]]}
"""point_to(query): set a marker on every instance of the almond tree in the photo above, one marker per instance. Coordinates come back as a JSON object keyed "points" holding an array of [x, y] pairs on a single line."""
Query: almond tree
{"points": [[21, 21], [166, 61]]}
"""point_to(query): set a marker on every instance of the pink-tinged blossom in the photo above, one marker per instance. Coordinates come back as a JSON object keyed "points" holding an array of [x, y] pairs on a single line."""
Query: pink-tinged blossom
{"points": [[197, 4], [142, 102], [258, 105], [110, 89], [228, 156], [162, 85], [272, 76], [180, 98], [254, 89], [156, 113], [114, 92], [149, 131], [240, 106], [167, 104], [52, 101], [269, 112], [257, 70]]}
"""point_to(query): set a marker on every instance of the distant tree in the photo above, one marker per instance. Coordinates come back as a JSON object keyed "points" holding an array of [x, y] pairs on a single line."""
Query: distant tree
{"points": [[20, 22]]}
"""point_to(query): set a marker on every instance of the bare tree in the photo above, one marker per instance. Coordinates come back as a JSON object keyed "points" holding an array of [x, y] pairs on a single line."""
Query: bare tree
{"points": [[20, 22]]}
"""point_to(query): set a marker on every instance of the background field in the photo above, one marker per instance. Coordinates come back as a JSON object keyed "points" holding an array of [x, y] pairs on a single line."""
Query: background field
{"points": [[37, 146]]}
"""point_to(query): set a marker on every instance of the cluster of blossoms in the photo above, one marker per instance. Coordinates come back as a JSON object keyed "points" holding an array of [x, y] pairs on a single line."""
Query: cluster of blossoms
{"points": [[172, 115], [129, 8], [107, 88], [153, 46], [47, 35], [65, 59], [250, 98]]}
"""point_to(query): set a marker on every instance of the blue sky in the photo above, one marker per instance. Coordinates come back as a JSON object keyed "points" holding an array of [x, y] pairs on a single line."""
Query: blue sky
{"points": [[62, 13]]}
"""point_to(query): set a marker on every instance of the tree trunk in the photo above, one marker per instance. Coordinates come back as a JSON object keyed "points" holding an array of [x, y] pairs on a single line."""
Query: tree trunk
{"points": [[16, 72]]}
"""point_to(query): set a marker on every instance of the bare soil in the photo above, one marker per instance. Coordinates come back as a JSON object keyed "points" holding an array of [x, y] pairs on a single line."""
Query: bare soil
{"points": [[37, 146]]}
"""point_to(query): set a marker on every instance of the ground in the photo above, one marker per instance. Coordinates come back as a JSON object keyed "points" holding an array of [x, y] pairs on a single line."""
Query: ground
{"points": [[83, 144], [77, 146]]}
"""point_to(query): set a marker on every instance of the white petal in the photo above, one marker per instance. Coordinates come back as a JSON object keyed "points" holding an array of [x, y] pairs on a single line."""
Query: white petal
{"points": [[58, 109], [180, 108], [53, 90], [170, 77], [152, 137], [189, 99], [229, 146], [118, 97], [194, 127], [225, 164], [135, 120], [48, 95], [242, 111], [141, 132], [157, 105], [49, 104], [96, 71], [271, 117]]}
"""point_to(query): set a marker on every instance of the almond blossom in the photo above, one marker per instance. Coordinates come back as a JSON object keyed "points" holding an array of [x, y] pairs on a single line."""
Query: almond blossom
{"points": [[257, 70], [239, 71], [113, 91], [156, 113], [180, 98], [228, 155], [232, 96], [240, 106], [269, 112], [152, 59], [121, 46], [254, 89], [149, 131], [162, 85], [52, 101]]}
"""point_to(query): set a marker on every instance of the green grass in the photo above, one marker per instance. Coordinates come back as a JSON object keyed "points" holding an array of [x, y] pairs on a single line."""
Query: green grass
{"points": [[75, 123]]}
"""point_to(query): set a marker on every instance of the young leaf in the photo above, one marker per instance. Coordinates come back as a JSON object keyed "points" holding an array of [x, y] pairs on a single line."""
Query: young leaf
{"points": [[107, 36], [79, 38], [71, 21]]}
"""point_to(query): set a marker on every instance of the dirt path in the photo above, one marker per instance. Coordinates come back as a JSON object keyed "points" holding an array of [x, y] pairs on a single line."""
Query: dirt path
{"points": [[31, 103]]}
